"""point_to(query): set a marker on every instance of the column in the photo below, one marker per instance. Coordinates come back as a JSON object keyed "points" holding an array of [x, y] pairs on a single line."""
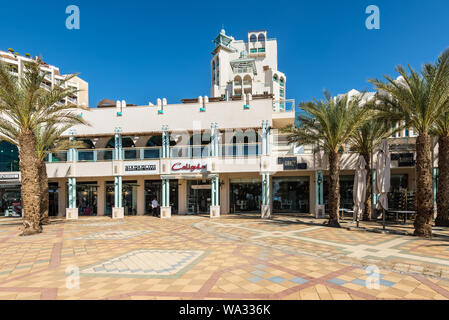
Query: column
{"points": [[434, 184], [224, 195], [101, 193], [165, 142], [319, 194], [118, 212], [215, 201], [435, 190], [118, 147], [72, 210], [215, 181], [62, 197], [165, 201], [141, 196], [264, 138], [373, 194], [266, 196], [182, 196]]}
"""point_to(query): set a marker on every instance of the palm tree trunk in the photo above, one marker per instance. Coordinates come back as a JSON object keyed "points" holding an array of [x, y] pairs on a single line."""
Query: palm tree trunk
{"points": [[43, 179], [30, 183], [334, 189], [424, 194], [442, 219], [368, 208]]}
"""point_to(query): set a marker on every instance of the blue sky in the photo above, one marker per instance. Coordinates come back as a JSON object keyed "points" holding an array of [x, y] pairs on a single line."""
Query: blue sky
{"points": [[139, 51]]}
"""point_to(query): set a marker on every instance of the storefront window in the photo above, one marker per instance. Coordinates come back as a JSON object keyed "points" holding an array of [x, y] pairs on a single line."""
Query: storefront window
{"points": [[129, 197], [53, 199], [153, 190], [246, 195], [291, 194], [86, 198], [10, 201], [9, 157], [199, 196], [346, 193], [398, 182]]}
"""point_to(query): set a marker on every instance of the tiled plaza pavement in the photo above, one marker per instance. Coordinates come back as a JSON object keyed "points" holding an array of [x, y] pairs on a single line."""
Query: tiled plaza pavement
{"points": [[233, 257]]}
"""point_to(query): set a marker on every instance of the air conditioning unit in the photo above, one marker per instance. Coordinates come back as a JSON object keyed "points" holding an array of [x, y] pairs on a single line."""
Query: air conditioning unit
{"points": [[319, 211]]}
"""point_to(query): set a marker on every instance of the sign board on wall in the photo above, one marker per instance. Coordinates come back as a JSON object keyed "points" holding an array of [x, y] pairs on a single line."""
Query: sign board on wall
{"points": [[141, 167], [191, 166], [404, 159], [291, 163], [9, 176]]}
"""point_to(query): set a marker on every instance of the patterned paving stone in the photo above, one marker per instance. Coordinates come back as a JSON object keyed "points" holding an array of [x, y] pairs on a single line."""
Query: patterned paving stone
{"points": [[190, 257], [146, 263], [112, 235], [100, 224]]}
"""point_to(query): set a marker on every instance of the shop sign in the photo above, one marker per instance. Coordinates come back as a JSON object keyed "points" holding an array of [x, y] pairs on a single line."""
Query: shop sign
{"points": [[189, 166], [9, 176], [291, 163], [136, 168], [202, 187], [404, 159]]}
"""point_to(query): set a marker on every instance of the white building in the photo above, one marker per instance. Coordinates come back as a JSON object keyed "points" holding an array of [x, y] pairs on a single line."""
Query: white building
{"points": [[209, 155], [16, 64], [239, 68]]}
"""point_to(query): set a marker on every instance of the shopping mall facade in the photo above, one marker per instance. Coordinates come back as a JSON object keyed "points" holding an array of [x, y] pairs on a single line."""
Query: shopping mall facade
{"points": [[215, 155]]}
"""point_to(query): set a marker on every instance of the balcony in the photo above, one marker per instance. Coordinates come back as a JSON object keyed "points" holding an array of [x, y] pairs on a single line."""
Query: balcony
{"points": [[203, 151], [283, 113], [225, 151], [96, 155]]}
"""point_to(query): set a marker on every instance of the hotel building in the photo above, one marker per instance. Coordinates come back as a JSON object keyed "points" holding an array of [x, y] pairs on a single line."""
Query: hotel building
{"points": [[214, 155]]}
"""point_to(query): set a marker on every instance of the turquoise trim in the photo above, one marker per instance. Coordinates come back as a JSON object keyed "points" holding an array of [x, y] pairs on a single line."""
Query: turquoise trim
{"points": [[160, 111], [435, 184], [119, 114], [246, 107], [202, 109]]}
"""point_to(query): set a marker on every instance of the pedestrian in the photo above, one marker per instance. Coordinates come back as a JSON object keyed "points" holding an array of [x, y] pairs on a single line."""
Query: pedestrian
{"points": [[154, 206]]}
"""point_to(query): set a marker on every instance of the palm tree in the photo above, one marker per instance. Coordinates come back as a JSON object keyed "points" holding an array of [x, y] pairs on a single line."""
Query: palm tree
{"points": [[329, 124], [24, 106], [419, 99], [364, 140], [441, 130]]}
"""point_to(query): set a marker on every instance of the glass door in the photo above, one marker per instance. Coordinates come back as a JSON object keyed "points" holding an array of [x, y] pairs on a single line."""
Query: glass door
{"points": [[53, 199], [199, 196], [246, 195], [153, 190], [129, 197], [86, 198]]}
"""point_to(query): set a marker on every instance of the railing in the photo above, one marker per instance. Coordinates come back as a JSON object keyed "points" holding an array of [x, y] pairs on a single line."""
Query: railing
{"points": [[141, 153], [225, 151], [9, 166], [94, 155], [72, 100], [284, 105], [196, 151], [60, 156]]}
